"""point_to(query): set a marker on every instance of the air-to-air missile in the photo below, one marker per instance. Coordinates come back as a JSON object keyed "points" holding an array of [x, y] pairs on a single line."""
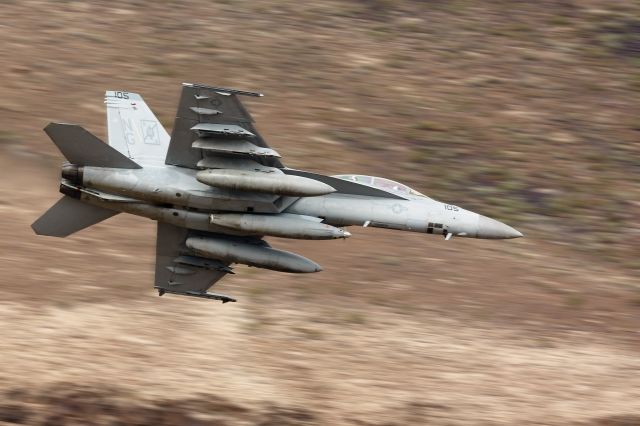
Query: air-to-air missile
{"points": [[216, 189]]}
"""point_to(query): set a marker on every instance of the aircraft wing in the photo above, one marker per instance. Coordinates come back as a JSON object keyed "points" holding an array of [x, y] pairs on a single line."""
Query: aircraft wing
{"points": [[212, 125], [179, 272]]}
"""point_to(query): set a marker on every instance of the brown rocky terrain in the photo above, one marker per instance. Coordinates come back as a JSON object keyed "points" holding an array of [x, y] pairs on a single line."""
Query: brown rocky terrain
{"points": [[524, 111]]}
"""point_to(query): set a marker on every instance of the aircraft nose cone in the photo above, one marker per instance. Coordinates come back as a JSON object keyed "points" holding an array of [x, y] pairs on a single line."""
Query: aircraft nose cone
{"points": [[493, 229]]}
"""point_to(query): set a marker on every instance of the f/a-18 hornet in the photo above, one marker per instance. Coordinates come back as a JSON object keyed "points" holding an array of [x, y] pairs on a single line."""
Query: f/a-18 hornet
{"points": [[216, 189]]}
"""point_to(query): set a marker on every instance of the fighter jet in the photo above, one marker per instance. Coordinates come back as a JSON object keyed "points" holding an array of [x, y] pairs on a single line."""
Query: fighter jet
{"points": [[216, 189]]}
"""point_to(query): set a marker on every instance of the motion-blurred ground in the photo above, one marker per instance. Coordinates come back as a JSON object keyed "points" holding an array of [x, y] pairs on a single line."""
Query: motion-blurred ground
{"points": [[524, 111]]}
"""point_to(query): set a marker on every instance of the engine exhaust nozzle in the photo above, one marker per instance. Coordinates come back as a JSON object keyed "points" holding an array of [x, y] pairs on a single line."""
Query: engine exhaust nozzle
{"points": [[72, 173]]}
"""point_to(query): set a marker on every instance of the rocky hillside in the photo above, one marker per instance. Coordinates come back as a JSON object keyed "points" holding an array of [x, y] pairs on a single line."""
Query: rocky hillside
{"points": [[523, 111]]}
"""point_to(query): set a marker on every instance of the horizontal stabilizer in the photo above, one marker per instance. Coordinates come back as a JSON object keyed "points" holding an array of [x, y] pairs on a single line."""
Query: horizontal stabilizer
{"points": [[69, 215], [84, 149]]}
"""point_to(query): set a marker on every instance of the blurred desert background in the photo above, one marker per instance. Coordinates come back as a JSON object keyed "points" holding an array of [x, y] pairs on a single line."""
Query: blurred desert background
{"points": [[523, 111]]}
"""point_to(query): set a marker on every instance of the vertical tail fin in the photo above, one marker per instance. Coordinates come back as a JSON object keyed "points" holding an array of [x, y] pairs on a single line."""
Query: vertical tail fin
{"points": [[134, 130]]}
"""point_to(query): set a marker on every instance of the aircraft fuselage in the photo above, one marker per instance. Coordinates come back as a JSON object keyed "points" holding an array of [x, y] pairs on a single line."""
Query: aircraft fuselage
{"points": [[172, 194]]}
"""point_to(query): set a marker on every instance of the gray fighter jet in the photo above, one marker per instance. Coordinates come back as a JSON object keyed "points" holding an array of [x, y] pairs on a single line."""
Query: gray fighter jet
{"points": [[216, 189]]}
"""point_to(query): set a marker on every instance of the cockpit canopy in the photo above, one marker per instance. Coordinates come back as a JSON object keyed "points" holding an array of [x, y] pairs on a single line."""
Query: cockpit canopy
{"points": [[382, 184]]}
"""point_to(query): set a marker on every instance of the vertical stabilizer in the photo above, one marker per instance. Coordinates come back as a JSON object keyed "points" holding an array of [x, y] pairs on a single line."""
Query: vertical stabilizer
{"points": [[134, 130]]}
